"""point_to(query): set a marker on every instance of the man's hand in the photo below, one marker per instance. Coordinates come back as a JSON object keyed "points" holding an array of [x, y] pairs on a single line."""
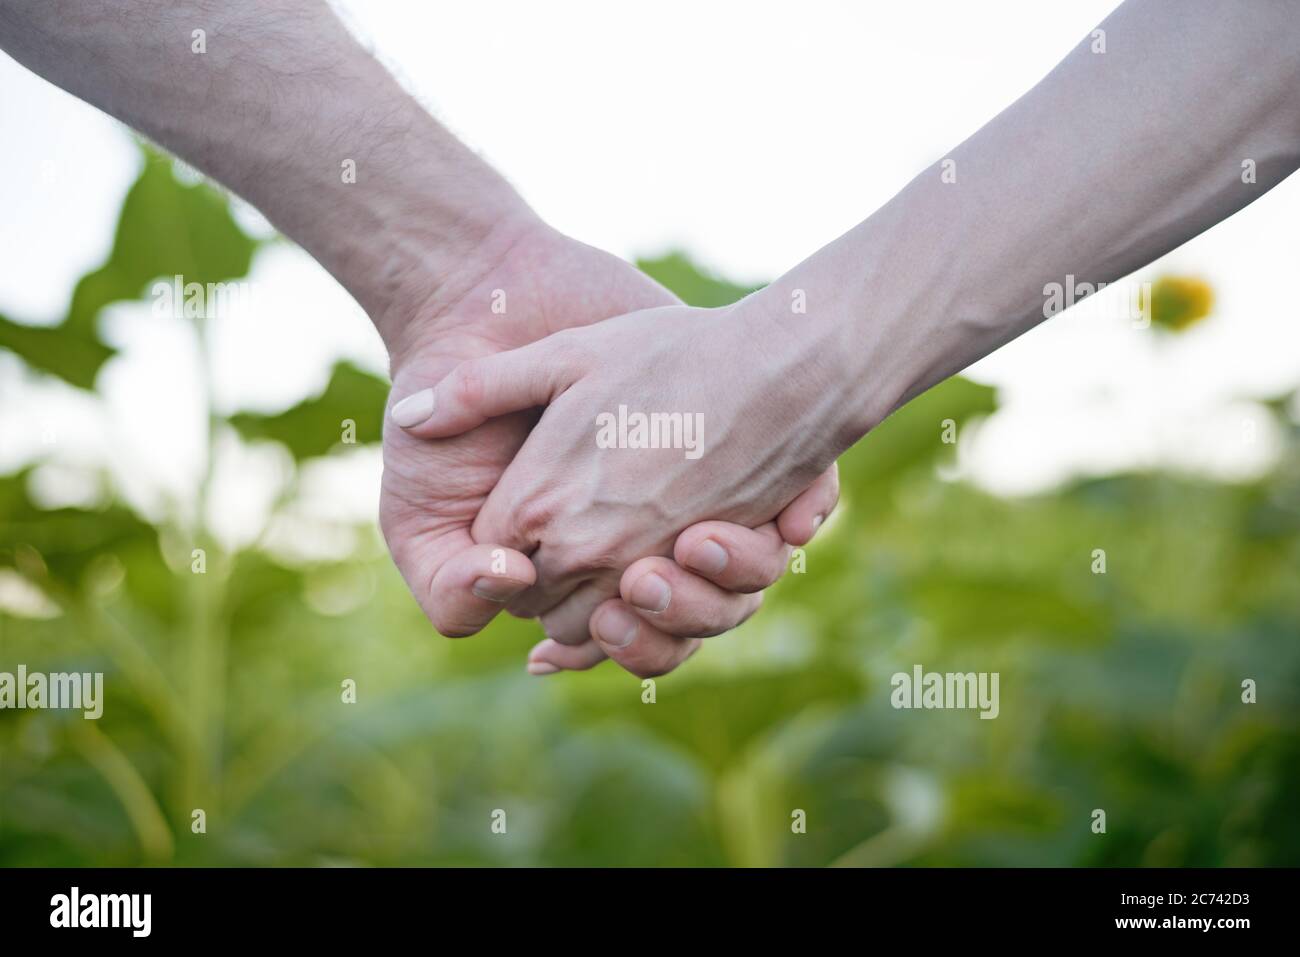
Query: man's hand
{"points": [[295, 116]]}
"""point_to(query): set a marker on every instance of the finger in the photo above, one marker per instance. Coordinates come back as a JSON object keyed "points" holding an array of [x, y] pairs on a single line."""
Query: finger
{"points": [[548, 657], [733, 557], [635, 644], [472, 586], [674, 601], [480, 389], [802, 517], [556, 583], [567, 622]]}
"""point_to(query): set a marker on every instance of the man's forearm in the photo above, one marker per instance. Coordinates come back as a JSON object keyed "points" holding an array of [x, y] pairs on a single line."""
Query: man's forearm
{"points": [[279, 103], [1111, 161]]}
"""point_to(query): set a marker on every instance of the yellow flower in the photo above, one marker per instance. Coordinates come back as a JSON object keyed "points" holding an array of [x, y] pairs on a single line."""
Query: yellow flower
{"points": [[1179, 302]]}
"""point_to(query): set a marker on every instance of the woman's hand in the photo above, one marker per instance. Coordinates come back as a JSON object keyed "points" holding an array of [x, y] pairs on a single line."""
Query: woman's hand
{"points": [[654, 421]]}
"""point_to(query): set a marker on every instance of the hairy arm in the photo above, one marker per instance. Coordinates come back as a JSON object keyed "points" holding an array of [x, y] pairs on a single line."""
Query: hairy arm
{"points": [[278, 102], [281, 104]]}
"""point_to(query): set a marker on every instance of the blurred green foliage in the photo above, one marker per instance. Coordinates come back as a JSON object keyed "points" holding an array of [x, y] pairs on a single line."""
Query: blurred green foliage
{"points": [[1119, 691], [311, 428]]}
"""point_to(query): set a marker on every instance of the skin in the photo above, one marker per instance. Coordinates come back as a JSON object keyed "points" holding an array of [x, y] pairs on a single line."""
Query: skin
{"points": [[427, 512], [943, 274], [1092, 174], [272, 108]]}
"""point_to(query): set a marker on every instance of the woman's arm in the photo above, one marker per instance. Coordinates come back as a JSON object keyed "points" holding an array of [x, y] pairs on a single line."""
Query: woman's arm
{"points": [[1191, 112], [1114, 159]]}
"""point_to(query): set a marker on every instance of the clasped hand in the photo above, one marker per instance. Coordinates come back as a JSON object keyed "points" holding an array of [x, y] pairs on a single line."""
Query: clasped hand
{"points": [[629, 544]]}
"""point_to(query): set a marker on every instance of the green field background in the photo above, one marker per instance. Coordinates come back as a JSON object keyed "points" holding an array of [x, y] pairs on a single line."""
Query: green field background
{"points": [[1119, 691]]}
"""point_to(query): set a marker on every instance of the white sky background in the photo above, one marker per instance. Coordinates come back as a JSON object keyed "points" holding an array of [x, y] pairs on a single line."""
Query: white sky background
{"points": [[748, 134]]}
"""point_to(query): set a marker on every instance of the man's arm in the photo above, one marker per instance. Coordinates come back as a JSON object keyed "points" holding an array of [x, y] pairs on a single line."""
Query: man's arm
{"points": [[279, 103]]}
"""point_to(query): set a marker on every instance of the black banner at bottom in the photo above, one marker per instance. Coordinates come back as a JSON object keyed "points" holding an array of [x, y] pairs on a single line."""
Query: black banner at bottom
{"points": [[334, 906]]}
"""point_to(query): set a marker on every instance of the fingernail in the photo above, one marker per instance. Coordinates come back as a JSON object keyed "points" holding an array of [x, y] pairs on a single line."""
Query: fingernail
{"points": [[541, 668], [497, 589], [708, 557], [651, 593], [617, 628], [817, 521], [414, 409]]}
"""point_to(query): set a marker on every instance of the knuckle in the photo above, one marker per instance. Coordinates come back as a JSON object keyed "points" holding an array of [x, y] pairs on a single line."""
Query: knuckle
{"points": [[585, 554], [714, 621], [469, 384], [719, 625], [571, 348], [533, 517], [530, 603], [762, 573], [774, 568], [700, 617], [596, 557], [560, 629]]}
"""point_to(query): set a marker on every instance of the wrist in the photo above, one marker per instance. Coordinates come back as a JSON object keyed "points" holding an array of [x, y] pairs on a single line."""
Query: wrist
{"points": [[821, 338], [888, 311], [429, 260], [402, 213]]}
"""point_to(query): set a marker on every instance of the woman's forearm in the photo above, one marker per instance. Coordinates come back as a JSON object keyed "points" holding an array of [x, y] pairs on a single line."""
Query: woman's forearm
{"points": [[1115, 158], [278, 102]]}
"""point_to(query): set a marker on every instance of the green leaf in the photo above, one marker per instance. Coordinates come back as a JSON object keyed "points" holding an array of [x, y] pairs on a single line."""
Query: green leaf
{"points": [[913, 435], [75, 356], [695, 287], [167, 228], [313, 427], [69, 541]]}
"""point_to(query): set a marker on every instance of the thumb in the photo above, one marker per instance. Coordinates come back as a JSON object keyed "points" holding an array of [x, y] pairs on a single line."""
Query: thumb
{"points": [[481, 389]]}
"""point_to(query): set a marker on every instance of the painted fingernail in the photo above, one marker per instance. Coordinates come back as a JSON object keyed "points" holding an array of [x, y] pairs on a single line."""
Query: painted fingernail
{"points": [[497, 589], [617, 628], [414, 409], [708, 557], [651, 593], [541, 668]]}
